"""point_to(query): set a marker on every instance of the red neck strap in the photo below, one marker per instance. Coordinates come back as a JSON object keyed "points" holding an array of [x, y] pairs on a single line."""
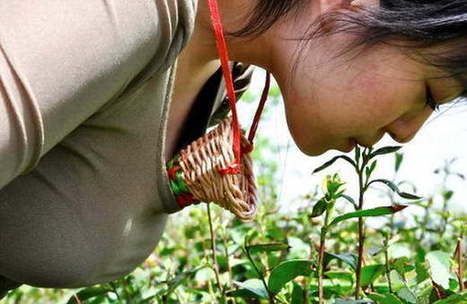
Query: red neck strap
{"points": [[224, 58]]}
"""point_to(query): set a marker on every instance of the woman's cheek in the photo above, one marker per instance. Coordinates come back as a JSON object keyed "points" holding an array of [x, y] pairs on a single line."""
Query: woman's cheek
{"points": [[298, 129], [305, 129]]}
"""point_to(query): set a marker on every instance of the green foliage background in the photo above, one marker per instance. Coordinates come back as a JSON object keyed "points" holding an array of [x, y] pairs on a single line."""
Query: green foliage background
{"points": [[274, 258]]}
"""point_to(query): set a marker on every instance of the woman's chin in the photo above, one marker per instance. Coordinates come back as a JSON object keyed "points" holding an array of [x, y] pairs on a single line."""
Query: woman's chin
{"points": [[312, 151], [316, 150], [347, 147]]}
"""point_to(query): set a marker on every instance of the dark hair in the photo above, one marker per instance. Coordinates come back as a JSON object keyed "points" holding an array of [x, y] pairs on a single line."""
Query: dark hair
{"points": [[415, 24], [265, 14]]}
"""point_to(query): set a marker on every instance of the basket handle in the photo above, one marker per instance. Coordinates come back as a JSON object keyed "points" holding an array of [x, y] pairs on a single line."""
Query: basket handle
{"points": [[232, 99]]}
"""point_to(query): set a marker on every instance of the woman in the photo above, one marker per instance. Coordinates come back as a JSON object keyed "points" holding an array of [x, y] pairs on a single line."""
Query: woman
{"points": [[97, 96]]}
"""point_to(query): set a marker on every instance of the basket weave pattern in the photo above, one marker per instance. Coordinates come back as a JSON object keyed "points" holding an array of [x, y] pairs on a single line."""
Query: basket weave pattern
{"points": [[201, 162]]}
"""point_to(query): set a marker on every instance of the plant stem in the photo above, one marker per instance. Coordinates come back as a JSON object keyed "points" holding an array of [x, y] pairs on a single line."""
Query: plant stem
{"points": [[227, 258], [444, 220], [386, 262], [460, 262], [77, 299], [261, 276], [213, 249], [426, 219], [322, 247], [320, 265], [361, 233], [361, 241], [305, 291], [114, 290], [444, 214]]}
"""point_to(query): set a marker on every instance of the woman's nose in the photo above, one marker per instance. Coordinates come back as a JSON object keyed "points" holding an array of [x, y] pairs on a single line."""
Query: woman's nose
{"points": [[406, 127]]}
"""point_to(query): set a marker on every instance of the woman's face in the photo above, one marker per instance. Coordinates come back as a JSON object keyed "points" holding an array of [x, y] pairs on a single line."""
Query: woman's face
{"points": [[332, 101]]}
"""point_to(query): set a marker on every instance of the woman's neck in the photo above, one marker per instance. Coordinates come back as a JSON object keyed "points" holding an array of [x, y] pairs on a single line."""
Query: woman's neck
{"points": [[234, 15], [199, 60]]}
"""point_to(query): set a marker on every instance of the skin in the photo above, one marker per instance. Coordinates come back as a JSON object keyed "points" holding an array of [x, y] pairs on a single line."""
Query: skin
{"points": [[331, 101]]}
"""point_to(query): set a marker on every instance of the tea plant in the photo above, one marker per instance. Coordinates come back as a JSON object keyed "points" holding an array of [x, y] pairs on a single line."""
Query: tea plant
{"points": [[321, 253], [364, 164]]}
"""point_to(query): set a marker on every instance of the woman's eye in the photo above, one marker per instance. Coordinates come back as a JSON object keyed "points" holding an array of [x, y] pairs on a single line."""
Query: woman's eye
{"points": [[430, 100]]}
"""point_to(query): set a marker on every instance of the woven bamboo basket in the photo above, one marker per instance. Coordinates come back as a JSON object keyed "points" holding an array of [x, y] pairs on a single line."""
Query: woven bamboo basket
{"points": [[201, 163]]}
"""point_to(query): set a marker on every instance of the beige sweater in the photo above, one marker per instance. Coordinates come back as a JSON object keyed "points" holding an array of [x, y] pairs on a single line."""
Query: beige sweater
{"points": [[84, 96], [85, 88]]}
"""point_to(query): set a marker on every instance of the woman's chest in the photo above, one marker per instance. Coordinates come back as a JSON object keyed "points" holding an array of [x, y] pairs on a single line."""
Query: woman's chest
{"points": [[189, 80]]}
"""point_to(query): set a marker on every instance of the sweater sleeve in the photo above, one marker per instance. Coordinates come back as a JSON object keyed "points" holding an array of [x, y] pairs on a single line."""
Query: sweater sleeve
{"points": [[60, 62]]}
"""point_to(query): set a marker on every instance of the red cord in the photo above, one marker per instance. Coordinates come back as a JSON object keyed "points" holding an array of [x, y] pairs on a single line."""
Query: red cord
{"points": [[224, 58], [264, 97]]}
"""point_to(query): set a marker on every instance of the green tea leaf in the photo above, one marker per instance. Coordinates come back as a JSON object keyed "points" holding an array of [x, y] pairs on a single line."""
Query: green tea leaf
{"points": [[357, 153], [349, 199], [332, 185], [370, 273], [407, 295], [252, 288], [422, 271], [384, 150], [454, 299], [269, 247], [366, 154], [203, 275], [396, 280], [384, 299], [369, 170], [182, 277], [375, 250], [447, 195], [402, 265], [369, 213], [351, 301], [399, 159], [439, 265], [88, 293], [453, 284], [339, 275], [394, 188], [348, 258], [286, 272], [401, 288], [319, 208], [332, 161], [297, 294]]}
